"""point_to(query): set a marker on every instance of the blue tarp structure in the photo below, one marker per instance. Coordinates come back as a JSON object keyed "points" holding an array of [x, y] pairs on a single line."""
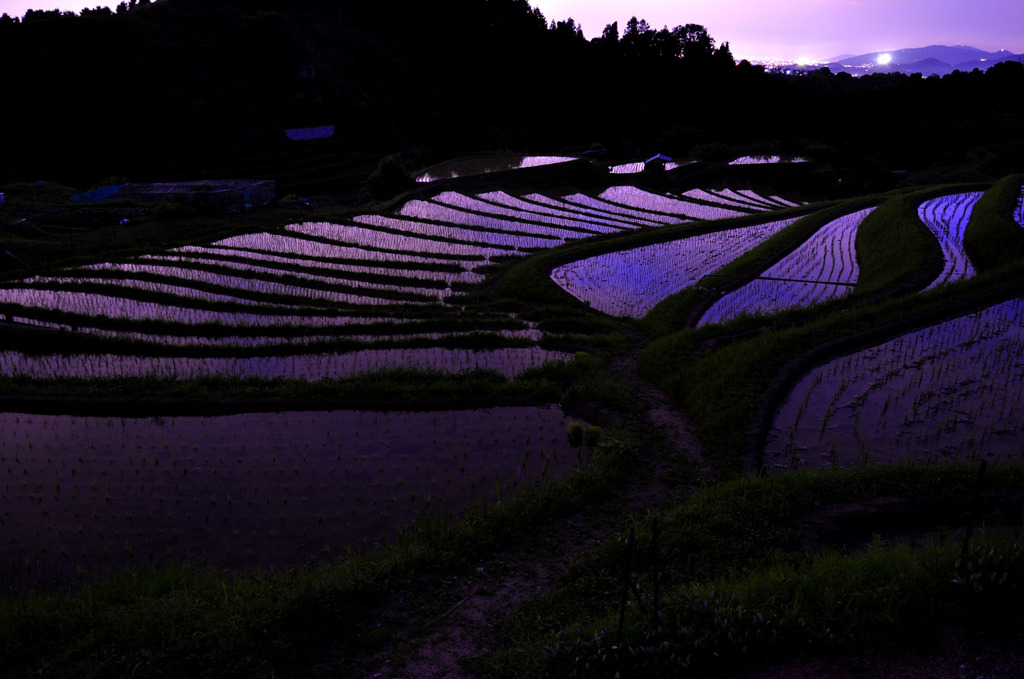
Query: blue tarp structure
{"points": [[96, 195], [310, 133]]}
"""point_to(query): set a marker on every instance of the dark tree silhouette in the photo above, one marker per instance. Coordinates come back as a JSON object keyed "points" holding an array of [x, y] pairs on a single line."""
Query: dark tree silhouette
{"points": [[610, 33], [567, 30], [695, 42]]}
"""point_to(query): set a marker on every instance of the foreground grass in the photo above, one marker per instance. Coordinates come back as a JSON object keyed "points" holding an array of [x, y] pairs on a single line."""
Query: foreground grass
{"points": [[754, 570], [746, 571], [993, 238]]}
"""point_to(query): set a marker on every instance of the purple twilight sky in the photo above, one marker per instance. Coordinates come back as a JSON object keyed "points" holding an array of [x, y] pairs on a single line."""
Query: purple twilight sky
{"points": [[783, 29], [814, 29]]}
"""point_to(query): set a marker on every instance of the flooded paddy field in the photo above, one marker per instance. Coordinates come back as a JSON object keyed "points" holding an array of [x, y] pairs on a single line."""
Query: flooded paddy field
{"points": [[631, 282], [81, 495], [952, 391]]}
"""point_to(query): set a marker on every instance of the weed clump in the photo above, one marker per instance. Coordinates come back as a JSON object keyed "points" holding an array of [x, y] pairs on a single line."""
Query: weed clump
{"points": [[575, 433]]}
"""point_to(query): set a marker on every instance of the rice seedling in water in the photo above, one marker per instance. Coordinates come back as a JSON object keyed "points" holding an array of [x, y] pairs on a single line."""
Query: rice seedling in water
{"points": [[823, 267], [475, 211], [638, 198], [637, 217], [947, 218], [631, 282], [558, 209], [628, 168], [724, 199], [766, 160], [953, 386]]}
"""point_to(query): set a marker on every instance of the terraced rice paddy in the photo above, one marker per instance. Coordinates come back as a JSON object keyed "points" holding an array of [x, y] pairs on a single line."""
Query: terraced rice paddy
{"points": [[484, 216], [822, 268], [595, 206], [683, 207], [81, 495], [638, 167], [951, 391], [591, 220], [766, 160], [947, 218], [628, 168], [307, 285], [630, 282]]}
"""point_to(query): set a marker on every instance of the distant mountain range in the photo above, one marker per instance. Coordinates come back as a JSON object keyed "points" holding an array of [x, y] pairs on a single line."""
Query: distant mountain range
{"points": [[934, 60]]}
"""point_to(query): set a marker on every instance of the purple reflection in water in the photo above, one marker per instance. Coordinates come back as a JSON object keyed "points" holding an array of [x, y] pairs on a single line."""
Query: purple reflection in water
{"points": [[91, 494], [951, 391], [947, 218]]}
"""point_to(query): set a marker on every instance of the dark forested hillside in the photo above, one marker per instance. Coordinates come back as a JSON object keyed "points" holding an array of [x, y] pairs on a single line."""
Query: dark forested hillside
{"points": [[176, 78]]}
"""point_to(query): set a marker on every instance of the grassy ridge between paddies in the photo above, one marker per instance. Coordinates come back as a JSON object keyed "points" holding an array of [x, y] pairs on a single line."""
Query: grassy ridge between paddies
{"points": [[808, 564], [731, 390], [993, 238], [184, 621], [576, 384]]}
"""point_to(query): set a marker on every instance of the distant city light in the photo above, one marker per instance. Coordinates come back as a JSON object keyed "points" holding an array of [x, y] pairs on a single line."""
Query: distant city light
{"points": [[884, 59]]}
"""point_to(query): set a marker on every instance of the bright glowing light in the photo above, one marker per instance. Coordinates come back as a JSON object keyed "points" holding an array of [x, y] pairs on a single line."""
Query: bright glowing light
{"points": [[884, 59], [804, 61]]}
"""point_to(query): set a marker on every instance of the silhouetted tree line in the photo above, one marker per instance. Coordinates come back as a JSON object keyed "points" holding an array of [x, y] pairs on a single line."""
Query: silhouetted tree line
{"points": [[187, 76], [641, 42]]}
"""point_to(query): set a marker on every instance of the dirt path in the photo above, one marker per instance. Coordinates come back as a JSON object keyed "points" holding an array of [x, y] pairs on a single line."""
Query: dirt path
{"points": [[657, 408], [439, 627]]}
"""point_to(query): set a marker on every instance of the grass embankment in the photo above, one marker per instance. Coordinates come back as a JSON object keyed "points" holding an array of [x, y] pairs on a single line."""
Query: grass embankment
{"points": [[803, 564], [993, 239], [729, 377], [577, 385]]}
